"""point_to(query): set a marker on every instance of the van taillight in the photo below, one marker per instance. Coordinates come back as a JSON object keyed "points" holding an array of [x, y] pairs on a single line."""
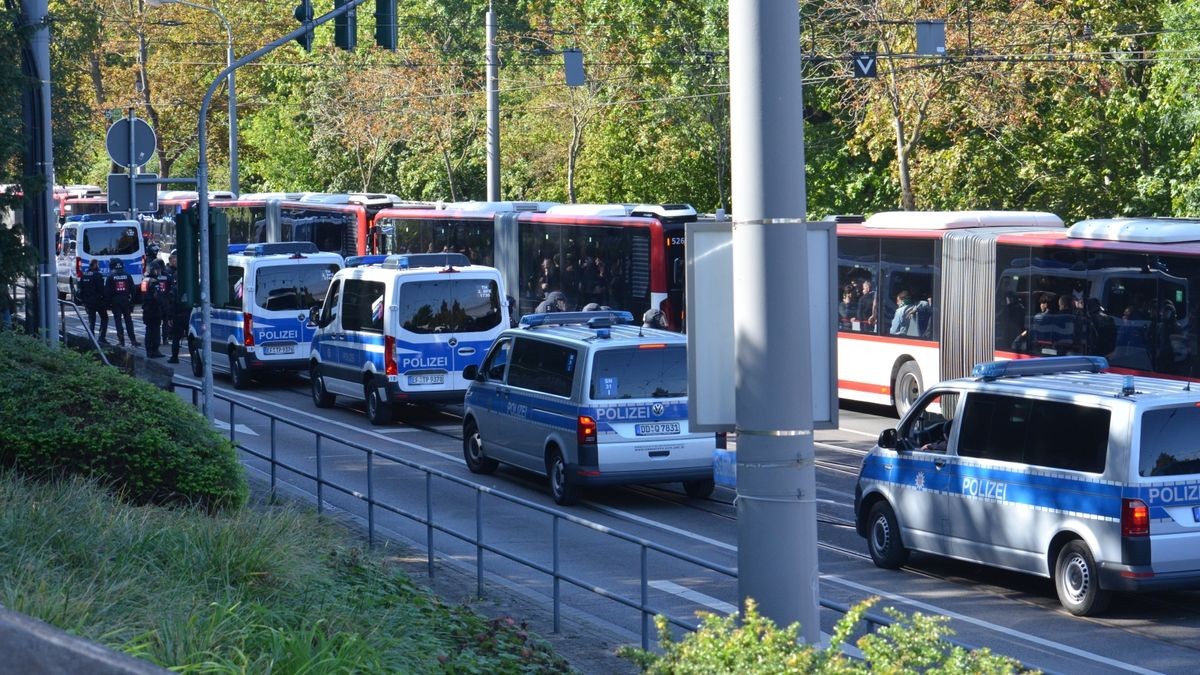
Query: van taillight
{"points": [[78, 267], [143, 263], [389, 356], [1135, 518], [585, 430], [247, 329]]}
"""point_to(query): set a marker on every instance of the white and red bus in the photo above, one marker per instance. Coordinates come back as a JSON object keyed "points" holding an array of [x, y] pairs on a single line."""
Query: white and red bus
{"points": [[619, 255]]}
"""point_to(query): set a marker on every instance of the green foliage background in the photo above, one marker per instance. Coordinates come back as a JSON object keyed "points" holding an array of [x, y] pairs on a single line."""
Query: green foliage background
{"points": [[1086, 108]]}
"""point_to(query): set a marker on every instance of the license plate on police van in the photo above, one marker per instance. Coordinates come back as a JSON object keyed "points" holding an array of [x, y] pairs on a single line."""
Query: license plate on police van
{"points": [[279, 349], [1196, 513], [426, 379], [656, 428]]}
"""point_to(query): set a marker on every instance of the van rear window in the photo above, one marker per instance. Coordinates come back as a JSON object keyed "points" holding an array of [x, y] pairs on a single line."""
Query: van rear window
{"points": [[639, 373], [450, 306], [114, 240], [1170, 442], [293, 286]]}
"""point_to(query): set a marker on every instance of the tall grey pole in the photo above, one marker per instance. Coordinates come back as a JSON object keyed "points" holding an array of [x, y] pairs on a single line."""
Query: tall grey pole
{"points": [[36, 13], [233, 122], [777, 524], [493, 111]]}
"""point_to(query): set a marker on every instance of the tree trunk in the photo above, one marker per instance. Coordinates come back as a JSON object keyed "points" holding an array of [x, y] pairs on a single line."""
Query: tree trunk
{"points": [[907, 201], [449, 174]]}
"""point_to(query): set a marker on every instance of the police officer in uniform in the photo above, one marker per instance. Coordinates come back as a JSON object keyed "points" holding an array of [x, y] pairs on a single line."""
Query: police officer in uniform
{"points": [[181, 309], [152, 312], [118, 290], [166, 305], [91, 293]]}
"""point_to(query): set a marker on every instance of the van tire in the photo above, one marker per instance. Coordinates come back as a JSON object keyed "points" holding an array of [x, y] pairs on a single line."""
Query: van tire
{"points": [[883, 538], [907, 387], [237, 372], [564, 493], [379, 411], [699, 489], [1077, 581], [194, 354], [477, 462], [320, 395]]}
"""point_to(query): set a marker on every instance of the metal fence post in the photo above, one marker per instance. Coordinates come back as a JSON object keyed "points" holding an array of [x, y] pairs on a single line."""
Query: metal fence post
{"points": [[557, 597], [320, 479], [232, 420], [370, 499], [479, 543], [645, 602], [274, 458], [429, 519]]}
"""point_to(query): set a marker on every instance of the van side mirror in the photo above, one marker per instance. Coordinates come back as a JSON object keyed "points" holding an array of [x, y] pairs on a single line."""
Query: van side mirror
{"points": [[887, 438], [471, 372], [314, 315]]}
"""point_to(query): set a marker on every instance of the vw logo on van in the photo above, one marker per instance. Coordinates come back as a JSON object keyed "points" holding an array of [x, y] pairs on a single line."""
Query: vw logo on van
{"points": [[657, 408]]}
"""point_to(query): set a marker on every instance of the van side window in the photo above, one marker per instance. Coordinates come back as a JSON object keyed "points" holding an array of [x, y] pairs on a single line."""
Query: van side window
{"points": [[1050, 434], [1170, 442], [543, 367], [362, 305], [928, 430], [497, 360], [329, 309], [233, 299]]}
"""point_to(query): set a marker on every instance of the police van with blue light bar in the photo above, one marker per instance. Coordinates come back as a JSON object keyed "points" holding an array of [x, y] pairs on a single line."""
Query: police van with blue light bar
{"points": [[1046, 466], [260, 316], [100, 237], [401, 329], [585, 398]]}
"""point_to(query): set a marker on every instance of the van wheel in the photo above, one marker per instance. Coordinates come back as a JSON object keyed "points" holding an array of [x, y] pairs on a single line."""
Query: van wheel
{"points": [[320, 395], [379, 411], [237, 373], [473, 450], [1077, 580], [564, 493], [883, 538], [194, 353], [907, 388], [699, 489]]}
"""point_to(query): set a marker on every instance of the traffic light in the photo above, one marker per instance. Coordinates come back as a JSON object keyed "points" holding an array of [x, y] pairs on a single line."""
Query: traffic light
{"points": [[304, 14], [218, 249], [385, 24], [345, 27], [187, 255]]}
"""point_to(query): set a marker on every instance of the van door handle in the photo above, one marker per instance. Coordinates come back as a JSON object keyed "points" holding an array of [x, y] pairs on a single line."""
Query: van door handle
{"points": [[939, 463]]}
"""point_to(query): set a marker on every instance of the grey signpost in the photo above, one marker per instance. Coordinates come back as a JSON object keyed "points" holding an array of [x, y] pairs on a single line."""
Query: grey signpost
{"points": [[131, 143]]}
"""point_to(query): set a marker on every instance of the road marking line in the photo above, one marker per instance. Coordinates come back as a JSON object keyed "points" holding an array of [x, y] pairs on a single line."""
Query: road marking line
{"points": [[694, 596], [662, 526], [241, 428], [990, 626]]}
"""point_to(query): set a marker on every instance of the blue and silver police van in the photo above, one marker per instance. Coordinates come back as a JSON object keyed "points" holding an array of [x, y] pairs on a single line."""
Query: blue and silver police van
{"points": [[1047, 466], [99, 237], [585, 398], [401, 329], [261, 324]]}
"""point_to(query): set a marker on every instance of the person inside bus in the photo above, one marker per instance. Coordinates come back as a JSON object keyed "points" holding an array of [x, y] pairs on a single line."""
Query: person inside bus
{"points": [[555, 301], [867, 307], [848, 308], [1010, 319], [909, 314]]}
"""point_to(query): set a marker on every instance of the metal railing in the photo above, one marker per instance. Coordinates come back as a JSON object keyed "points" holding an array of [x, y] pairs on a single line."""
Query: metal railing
{"points": [[554, 570], [63, 306]]}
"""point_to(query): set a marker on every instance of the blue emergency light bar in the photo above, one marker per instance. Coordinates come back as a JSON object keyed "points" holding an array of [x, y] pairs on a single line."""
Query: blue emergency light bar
{"points": [[278, 248], [589, 319], [95, 217], [411, 260], [235, 249], [364, 260], [1049, 365]]}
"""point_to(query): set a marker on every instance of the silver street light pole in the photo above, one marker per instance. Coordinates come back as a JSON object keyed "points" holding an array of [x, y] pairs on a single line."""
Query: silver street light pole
{"points": [[493, 111], [229, 59]]}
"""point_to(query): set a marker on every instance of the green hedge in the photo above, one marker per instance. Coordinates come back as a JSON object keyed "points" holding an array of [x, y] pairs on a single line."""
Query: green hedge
{"points": [[65, 413]]}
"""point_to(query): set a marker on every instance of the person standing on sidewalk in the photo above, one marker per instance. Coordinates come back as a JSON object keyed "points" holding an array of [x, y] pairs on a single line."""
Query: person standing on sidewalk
{"points": [[91, 293], [152, 312], [181, 312], [119, 293]]}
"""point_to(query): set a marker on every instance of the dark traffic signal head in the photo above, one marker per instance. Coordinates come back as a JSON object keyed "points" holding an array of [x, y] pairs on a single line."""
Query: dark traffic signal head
{"points": [[304, 14], [345, 27], [385, 24]]}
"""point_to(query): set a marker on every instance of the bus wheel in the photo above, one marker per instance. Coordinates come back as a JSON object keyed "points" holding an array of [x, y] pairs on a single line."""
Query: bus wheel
{"points": [[1077, 580], [907, 387]]}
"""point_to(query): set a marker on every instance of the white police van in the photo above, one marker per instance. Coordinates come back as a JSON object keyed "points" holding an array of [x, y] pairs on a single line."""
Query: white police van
{"points": [[100, 237], [586, 399], [1045, 466], [263, 323], [401, 328]]}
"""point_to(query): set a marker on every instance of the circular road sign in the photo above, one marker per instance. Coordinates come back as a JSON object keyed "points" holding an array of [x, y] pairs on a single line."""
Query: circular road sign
{"points": [[117, 142]]}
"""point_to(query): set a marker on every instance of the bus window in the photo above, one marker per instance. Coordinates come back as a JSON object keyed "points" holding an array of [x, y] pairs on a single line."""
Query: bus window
{"points": [[858, 271], [909, 281]]}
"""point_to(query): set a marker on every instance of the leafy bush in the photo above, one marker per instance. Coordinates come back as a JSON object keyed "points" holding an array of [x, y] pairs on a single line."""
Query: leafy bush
{"points": [[753, 644], [65, 413]]}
